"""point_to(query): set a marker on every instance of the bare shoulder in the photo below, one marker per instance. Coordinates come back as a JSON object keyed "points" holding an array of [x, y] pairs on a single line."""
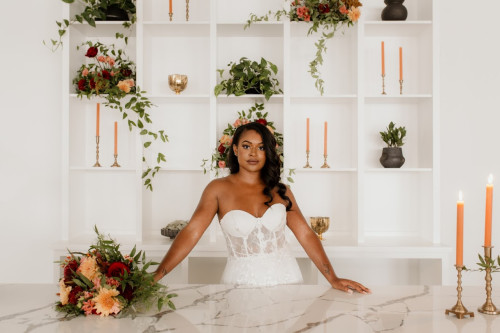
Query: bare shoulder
{"points": [[219, 185]]}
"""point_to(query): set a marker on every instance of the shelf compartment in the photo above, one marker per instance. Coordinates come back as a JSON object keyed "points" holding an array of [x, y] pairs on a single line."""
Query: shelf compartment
{"points": [[420, 10], [240, 10], [157, 10], [325, 170], [176, 50], [416, 116]]}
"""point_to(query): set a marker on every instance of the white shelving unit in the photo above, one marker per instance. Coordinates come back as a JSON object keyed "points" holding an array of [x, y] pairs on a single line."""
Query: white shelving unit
{"points": [[376, 212]]}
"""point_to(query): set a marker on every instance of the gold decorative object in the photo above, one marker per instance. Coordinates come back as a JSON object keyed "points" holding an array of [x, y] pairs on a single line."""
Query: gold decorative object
{"points": [[325, 165], [401, 87], [383, 84], [320, 224], [171, 15], [116, 162], [177, 82], [187, 10], [459, 309], [307, 160], [488, 307], [97, 165]]}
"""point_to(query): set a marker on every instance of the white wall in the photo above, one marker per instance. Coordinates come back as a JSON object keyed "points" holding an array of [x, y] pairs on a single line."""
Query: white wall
{"points": [[30, 140]]}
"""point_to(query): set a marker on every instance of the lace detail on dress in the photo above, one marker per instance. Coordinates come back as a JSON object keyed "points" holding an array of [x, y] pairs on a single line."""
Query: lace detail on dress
{"points": [[257, 248]]}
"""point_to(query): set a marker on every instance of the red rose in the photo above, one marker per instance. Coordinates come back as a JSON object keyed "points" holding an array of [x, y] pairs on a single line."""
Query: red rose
{"points": [[221, 149], [106, 75], [69, 270], [81, 84], [74, 295], [324, 8], [126, 71], [261, 121], [117, 269], [92, 83], [91, 52]]}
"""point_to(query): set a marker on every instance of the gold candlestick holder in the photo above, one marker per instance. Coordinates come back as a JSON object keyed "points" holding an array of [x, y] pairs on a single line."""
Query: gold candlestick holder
{"points": [[307, 160], [325, 165], [187, 10], [97, 165], [171, 15], [459, 309], [383, 84], [116, 165], [401, 87], [488, 307]]}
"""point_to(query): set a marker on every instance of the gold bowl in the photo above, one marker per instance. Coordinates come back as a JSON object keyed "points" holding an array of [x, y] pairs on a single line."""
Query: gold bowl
{"points": [[177, 82], [319, 224]]}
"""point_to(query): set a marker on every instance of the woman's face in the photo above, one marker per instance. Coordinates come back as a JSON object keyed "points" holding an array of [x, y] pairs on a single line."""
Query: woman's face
{"points": [[250, 151]]}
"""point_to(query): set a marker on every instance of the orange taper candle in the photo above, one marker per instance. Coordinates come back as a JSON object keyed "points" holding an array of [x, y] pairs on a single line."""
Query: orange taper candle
{"points": [[97, 119], [116, 138], [488, 214], [307, 134], [170, 6], [383, 58], [401, 64], [326, 138], [460, 230]]}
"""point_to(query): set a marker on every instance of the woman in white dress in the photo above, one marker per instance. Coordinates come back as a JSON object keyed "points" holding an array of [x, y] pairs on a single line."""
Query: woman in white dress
{"points": [[254, 207]]}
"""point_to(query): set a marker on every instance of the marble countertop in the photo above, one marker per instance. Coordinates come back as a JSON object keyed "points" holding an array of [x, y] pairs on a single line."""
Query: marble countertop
{"points": [[291, 308]]}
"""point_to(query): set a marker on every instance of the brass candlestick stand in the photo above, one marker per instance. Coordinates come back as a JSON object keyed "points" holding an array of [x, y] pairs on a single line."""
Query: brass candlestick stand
{"points": [[401, 87], [170, 14], [383, 84], [488, 307], [97, 152], [325, 165], [459, 309], [187, 10], [307, 160], [116, 162]]}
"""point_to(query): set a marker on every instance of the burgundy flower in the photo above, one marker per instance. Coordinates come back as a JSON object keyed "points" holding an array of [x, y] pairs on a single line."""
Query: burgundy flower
{"points": [[117, 269], [126, 71], [261, 121], [106, 74], [92, 83], [324, 8], [221, 149], [128, 293], [91, 52], [69, 270], [74, 295], [81, 84]]}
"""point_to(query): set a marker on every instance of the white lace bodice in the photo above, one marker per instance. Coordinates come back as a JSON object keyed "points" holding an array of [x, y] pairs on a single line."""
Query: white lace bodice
{"points": [[257, 248]]}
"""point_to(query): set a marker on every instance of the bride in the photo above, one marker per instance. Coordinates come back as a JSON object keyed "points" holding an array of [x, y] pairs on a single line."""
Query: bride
{"points": [[253, 208]]}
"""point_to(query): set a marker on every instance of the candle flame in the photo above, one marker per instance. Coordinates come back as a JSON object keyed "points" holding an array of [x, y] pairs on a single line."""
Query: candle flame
{"points": [[460, 196], [490, 179]]}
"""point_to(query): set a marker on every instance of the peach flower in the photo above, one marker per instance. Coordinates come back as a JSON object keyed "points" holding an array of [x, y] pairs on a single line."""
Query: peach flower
{"points": [[343, 10], [237, 123], [105, 303], [354, 14], [245, 121], [101, 58], [222, 164], [63, 292], [226, 139], [85, 72], [110, 61], [88, 267], [124, 86], [88, 307], [270, 129], [130, 82]]}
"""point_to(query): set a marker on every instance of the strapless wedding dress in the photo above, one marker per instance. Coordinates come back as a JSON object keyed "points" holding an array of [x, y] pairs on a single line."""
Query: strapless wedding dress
{"points": [[257, 249]]}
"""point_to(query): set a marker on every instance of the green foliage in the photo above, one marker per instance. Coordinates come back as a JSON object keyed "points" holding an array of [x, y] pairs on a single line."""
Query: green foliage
{"points": [[94, 10], [323, 15], [248, 76], [394, 136]]}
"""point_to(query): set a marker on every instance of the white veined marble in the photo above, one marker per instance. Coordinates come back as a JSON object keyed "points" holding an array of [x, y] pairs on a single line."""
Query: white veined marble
{"points": [[290, 308]]}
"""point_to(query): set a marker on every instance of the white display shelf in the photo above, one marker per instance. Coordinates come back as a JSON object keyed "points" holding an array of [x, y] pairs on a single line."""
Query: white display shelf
{"points": [[181, 96], [395, 170], [319, 169], [101, 169], [397, 23], [165, 23]]}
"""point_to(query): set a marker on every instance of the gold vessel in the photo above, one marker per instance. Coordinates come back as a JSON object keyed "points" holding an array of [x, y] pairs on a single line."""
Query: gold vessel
{"points": [[177, 82], [319, 224]]}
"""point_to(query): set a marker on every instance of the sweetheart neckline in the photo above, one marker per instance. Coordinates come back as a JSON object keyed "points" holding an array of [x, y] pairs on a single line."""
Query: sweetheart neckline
{"points": [[255, 217]]}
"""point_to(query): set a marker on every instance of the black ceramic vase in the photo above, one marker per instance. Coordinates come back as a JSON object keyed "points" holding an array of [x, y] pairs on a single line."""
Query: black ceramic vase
{"points": [[394, 11], [253, 91], [392, 157], [115, 13]]}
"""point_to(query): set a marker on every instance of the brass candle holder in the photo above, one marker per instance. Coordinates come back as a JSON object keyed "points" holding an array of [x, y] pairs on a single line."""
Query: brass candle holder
{"points": [[97, 165], [401, 87], [488, 307], [319, 224], [187, 10], [116, 165], [171, 15], [459, 309], [325, 165], [307, 160], [383, 84]]}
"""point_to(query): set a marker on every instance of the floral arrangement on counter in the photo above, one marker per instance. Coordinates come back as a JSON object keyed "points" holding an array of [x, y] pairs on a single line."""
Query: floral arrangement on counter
{"points": [[254, 114], [325, 14], [112, 76], [105, 282]]}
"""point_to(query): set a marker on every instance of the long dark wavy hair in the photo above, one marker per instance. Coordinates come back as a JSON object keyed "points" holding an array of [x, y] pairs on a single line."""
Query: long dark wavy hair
{"points": [[270, 173]]}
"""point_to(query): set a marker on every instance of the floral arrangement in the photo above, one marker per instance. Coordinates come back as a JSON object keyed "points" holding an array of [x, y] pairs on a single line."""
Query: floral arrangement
{"points": [[254, 114], [105, 282], [327, 14], [112, 76]]}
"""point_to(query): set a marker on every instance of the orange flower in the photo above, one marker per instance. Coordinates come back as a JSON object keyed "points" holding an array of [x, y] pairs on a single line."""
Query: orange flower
{"points": [[354, 14], [105, 303], [88, 267], [124, 86], [63, 292], [343, 10], [225, 140]]}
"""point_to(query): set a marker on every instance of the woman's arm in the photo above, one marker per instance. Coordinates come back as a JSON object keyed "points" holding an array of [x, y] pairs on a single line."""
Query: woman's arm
{"points": [[314, 249], [187, 238]]}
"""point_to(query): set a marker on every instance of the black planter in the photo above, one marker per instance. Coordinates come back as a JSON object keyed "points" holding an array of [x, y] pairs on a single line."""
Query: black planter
{"points": [[392, 157], [115, 13], [394, 11], [253, 91]]}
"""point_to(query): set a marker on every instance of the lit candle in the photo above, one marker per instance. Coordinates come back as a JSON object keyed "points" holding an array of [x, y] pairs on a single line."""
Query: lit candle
{"points": [[307, 135], [489, 202], [383, 59], [326, 136], [97, 119], [116, 138], [460, 230], [170, 6], [401, 64]]}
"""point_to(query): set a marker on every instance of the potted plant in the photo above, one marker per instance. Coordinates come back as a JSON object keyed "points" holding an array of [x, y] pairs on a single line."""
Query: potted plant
{"points": [[392, 155], [98, 10], [250, 77]]}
